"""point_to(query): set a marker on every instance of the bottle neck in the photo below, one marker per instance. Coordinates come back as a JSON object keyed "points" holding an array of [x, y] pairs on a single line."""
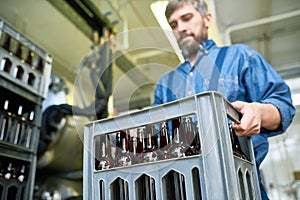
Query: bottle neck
{"points": [[104, 153], [176, 137], [164, 135], [123, 145]]}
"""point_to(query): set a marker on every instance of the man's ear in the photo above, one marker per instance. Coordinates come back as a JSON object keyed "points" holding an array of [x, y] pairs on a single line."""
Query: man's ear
{"points": [[207, 19]]}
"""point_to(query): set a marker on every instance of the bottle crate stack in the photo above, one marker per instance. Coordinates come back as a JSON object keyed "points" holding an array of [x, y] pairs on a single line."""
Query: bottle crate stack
{"points": [[181, 150], [25, 71]]}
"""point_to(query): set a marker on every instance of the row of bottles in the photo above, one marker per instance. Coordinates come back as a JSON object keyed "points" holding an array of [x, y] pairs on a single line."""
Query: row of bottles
{"points": [[149, 143], [154, 142], [16, 120], [11, 169], [22, 52]]}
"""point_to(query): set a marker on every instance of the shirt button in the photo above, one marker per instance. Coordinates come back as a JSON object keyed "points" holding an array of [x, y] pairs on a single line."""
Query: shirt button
{"points": [[191, 73], [190, 92]]}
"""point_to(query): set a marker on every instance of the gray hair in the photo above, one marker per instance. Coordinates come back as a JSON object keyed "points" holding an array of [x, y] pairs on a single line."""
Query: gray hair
{"points": [[199, 5]]}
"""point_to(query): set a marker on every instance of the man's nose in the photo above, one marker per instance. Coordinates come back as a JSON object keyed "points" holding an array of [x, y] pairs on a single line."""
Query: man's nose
{"points": [[181, 27]]}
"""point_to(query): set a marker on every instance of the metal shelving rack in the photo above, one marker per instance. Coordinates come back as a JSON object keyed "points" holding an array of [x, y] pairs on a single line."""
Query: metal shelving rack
{"points": [[215, 173], [25, 71]]}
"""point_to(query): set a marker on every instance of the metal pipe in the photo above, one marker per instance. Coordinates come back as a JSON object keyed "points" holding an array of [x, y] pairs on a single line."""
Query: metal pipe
{"points": [[258, 22]]}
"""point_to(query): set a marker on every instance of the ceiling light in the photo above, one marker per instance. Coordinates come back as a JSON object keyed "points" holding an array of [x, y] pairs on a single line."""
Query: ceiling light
{"points": [[158, 8]]}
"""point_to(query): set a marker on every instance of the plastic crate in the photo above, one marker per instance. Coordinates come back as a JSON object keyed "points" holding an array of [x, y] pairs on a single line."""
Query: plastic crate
{"points": [[22, 62], [216, 172]]}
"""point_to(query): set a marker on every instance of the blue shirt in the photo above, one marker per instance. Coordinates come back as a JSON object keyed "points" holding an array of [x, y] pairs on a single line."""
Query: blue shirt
{"points": [[245, 76]]}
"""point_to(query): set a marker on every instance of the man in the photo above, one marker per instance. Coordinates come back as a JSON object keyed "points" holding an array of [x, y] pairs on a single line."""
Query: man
{"points": [[237, 71]]}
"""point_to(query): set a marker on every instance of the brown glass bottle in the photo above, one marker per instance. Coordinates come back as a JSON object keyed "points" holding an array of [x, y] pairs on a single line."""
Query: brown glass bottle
{"points": [[22, 174], [192, 139], [133, 149], [6, 44], [28, 132], [196, 142], [19, 126], [140, 141], [4, 121], [30, 58], [149, 154], [177, 148], [18, 52], [163, 141], [40, 64], [124, 157], [8, 171], [105, 160]]}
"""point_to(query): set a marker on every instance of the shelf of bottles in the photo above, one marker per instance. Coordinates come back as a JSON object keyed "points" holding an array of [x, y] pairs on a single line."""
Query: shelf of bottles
{"points": [[18, 122], [22, 62], [25, 71], [14, 176], [185, 149]]}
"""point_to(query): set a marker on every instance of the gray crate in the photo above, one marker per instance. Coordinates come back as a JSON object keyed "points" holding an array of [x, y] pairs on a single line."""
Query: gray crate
{"points": [[215, 173], [24, 80], [33, 77]]}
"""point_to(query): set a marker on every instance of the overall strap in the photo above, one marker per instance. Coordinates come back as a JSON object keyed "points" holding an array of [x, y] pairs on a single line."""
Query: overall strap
{"points": [[214, 81], [170, 83]]}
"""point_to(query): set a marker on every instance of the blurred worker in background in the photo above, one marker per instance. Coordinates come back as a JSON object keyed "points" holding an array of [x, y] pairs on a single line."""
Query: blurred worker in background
{"points": [[241, 74]]}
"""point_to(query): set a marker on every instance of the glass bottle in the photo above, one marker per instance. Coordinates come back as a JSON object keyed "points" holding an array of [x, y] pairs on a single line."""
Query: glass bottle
{"points": [[192, 136], [196, 142], [124, 158], [18, 53], [19, 126], [149, 153], [29, 130], [163, 141], [8, 171], [4, 121], [21, 176], [105, 160], [133, 149], [6, 44], [140, 146], [177, 149], [30, 58], [40, 64]]}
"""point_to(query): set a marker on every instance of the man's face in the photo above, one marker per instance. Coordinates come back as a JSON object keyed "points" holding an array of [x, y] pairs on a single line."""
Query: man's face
{"points": [[189, 27]]}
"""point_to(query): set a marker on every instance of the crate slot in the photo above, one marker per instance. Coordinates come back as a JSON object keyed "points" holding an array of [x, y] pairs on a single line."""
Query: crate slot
{"points": [[173, 184], [119, 189], [102, 190], [19, 72], [196, 183], [249, 184], [145, 188], [241, 184], [6, 65]]}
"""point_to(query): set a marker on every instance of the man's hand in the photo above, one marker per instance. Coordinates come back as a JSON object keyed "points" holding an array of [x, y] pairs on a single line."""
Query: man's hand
{"points": [[255, 116]]}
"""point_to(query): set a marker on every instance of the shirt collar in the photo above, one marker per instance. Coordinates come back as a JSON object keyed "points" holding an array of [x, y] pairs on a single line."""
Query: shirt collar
{"points": [[207, 44]]}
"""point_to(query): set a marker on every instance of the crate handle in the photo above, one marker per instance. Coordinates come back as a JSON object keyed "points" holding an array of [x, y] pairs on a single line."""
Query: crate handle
{"points": [[233, 113]]}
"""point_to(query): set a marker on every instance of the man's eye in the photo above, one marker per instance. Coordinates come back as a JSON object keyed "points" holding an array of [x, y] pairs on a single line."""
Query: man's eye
{"points": [[173, 25], [186, 18]]}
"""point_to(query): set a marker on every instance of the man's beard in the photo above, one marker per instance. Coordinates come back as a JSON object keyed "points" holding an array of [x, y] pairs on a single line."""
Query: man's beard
{"points": [[189, 48]]}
